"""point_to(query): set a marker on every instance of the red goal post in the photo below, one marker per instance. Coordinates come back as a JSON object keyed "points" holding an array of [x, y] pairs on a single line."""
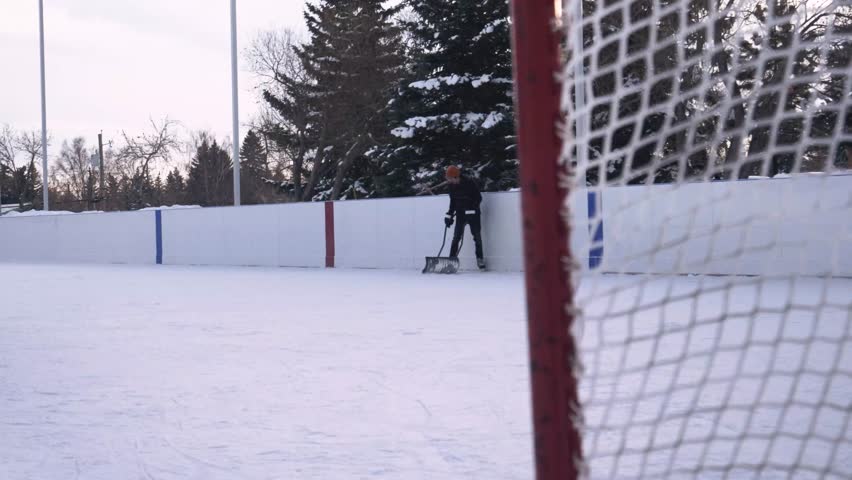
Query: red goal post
{"points": [[714, 137], [553, 350]]}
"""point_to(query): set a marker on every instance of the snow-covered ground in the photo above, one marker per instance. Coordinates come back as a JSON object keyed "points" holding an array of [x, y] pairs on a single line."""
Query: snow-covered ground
{"points": [[717, 377], [115, 372], [123, 372]]}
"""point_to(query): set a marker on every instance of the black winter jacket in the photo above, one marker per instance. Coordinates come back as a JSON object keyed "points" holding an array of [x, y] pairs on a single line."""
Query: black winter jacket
{"points": [[464, 196]]}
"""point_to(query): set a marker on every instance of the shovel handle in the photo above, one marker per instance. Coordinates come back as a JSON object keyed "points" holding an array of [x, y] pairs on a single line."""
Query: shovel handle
{"points": [[444, 242]]}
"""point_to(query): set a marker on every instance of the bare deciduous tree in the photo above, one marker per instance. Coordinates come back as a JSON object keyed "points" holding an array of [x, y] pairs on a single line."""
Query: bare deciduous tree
{"points": [[26, 177], [29, 143], [271, 57], [8, 147], [283, 121], [139, 152], [74, 170]]}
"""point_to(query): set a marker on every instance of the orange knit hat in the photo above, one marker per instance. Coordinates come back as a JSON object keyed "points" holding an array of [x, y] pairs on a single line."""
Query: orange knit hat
{"points": [[453, 172]]}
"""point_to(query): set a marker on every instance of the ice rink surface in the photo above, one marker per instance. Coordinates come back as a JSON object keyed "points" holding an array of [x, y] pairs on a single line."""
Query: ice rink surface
{"points": [[121, 372], [130, 372]]}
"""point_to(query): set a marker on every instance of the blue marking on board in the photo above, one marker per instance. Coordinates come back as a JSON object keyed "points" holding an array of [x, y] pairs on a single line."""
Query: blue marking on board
{"points": [[158, 219], [596, 248]]}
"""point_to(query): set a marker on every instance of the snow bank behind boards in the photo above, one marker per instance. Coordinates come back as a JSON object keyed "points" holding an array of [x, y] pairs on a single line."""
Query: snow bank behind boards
{"points": [[776, 226]]}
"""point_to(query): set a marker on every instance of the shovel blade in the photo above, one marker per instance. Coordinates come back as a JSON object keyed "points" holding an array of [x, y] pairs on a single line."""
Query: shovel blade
{"points": [[441, 265]]}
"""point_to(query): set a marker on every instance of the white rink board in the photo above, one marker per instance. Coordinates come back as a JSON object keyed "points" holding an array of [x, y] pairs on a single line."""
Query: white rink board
{"points": [[502, 233], [301, 235], [757, 227], [125, 237], [374, 234], [773, 227], [262, 235], [400, 233]]}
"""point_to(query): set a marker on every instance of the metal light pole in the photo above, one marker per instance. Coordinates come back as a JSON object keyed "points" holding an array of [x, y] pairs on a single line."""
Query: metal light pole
{"points": [[101, 163], [44, 185], [235, 103]]}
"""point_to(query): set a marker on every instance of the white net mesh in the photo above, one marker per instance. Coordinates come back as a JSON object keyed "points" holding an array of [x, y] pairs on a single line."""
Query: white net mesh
{"points": [[711, 142]]}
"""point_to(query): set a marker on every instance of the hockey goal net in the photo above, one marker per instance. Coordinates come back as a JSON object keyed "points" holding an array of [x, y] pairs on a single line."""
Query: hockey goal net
{"points": [[698, 160]]}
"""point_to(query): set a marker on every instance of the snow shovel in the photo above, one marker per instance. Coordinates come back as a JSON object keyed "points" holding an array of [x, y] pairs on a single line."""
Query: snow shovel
{"points": [[441, 264]]}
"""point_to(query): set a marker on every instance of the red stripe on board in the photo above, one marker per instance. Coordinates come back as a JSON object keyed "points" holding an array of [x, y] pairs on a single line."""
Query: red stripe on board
{"points": [[329, 234]]}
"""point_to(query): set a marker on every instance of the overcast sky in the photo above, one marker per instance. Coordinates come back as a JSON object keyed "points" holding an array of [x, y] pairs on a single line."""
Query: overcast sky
{"points": [[113, 64]]}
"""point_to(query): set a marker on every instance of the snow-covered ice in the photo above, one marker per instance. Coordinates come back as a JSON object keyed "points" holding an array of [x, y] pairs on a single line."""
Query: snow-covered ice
{"points": [[119, 372], [114, 372], [717, 377]]}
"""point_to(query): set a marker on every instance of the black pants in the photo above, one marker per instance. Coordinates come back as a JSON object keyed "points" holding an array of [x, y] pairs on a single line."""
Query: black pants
{"points": [[474, 220]]}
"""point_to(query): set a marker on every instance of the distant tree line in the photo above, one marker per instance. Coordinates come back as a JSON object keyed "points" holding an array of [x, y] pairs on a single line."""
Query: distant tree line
{"points": [[380, 98], [376, 102], [139, 171], [20, 180]]}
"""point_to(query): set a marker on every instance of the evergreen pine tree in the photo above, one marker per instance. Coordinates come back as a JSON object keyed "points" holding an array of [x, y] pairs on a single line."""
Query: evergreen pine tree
{"points": [[295, 134], [137, 191], [6, 183], [34, 186], [19, 181], [113, 192], [157, 192], [253, 169], [174, 190], [350, 66], [456, 107], [210, 181], [90, 188]]}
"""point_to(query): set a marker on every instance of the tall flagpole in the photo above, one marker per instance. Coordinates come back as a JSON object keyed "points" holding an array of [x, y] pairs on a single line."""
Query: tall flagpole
{"points": [[44, 185], [235, 103]]}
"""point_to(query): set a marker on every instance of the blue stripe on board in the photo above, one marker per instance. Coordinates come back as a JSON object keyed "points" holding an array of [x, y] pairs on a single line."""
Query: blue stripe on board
{"points": [[158, 218], [596, 249]]}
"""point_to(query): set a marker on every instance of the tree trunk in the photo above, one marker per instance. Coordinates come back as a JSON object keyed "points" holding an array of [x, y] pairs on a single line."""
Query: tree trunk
{"points": [[297, 176], [318, 170], [733, 152], [319, 166], [298, 169], [344, 167]]}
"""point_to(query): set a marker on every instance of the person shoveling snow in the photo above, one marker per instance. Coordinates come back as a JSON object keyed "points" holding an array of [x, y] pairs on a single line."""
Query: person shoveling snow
{"points": [[465, 200]]}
